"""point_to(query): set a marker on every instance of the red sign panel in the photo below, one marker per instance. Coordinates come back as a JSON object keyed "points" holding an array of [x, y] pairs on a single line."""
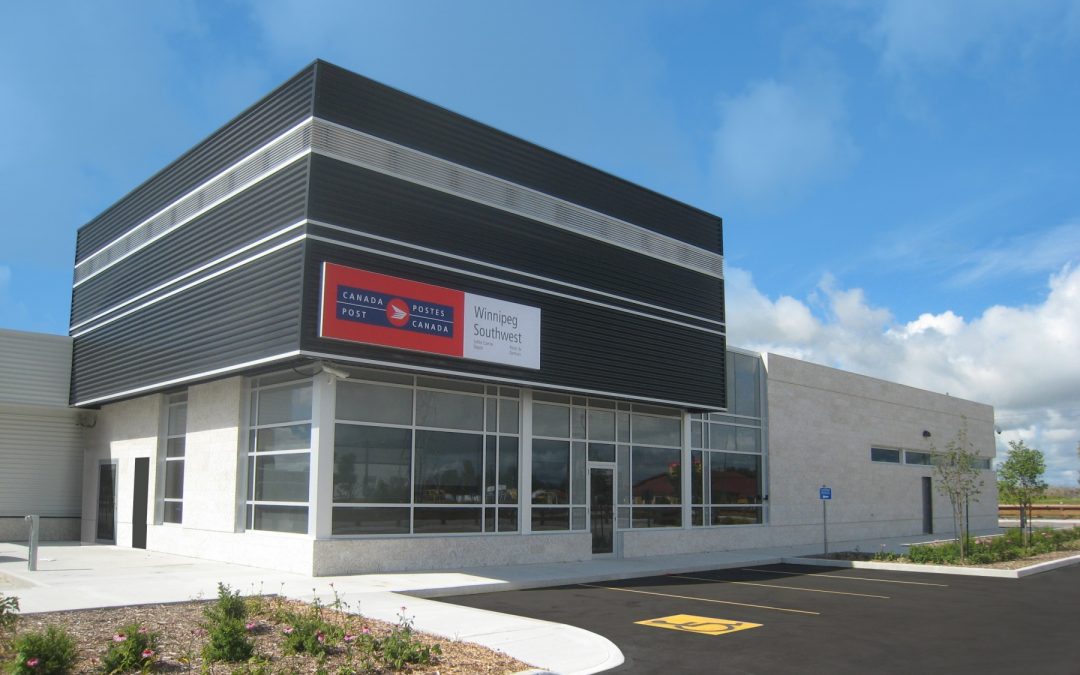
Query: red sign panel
{"points": [[378, 309]]}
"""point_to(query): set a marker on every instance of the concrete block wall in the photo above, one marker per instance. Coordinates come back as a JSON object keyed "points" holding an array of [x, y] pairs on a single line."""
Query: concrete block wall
{"points": [[822, 424]]}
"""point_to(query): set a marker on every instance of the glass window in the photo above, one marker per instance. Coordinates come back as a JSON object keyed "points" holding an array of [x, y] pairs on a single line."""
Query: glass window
{"points": [[551, 472], [921, 458], [748, 440], [601, 425], [507, 489], [551, 420], [363, 402], [284, 404], [545, 519], [172, 497], [441, 479], [723, 437], [746, 384], [735, 516], [279, 456], [508, 416], [655, 476], [601, 452], [449, 411], [734, 479], [372, 464], [370, 520], [650, 430], [885, 455], [282, 478], [430, 520], [449, 468]]}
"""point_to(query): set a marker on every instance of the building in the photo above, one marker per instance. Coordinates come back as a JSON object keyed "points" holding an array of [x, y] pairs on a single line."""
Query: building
{"points": [[352, 331], [41, 438]]}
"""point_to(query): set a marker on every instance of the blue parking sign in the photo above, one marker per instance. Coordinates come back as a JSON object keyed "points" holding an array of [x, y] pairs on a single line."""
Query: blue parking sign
{"points": [[826, 492]]}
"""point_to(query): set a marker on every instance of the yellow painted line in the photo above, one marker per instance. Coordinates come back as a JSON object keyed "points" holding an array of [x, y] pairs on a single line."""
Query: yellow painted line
{"points": [[789, 588], [837, 576], [690, 597], [702, 625]]}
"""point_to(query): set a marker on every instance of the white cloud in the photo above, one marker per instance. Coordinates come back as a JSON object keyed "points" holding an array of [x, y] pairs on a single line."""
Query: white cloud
{"points": [[929, 35], [777, 139], [1022, 360]]}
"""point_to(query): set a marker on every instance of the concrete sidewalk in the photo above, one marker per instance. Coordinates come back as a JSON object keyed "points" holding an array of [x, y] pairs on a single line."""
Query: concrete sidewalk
{"points": [[74, 576]]}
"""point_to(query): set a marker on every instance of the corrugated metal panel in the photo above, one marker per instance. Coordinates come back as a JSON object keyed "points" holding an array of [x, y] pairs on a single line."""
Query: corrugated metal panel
{"points": [[582, 346], [40, 464], [249, 313], [267, 207], [36, 368], [355, 101], [346, 195], [283, 108]]}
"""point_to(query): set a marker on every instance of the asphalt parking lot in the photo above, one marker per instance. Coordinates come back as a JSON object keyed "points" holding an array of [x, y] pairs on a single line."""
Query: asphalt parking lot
{"points": [[798, 619]]}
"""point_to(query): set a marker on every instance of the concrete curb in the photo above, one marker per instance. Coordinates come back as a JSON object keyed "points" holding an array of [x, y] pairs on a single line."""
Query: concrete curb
{"points": [[524, 585], [939, 569]]}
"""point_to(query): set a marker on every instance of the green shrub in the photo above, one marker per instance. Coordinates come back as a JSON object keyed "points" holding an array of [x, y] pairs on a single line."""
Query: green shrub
{"points": [[51, 652], [9, 613], [402, 647], [229, 605], [132, 648], [228, 640], [227, 635]]}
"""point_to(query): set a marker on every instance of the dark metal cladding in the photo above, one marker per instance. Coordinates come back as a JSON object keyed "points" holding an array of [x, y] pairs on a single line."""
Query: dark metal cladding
{"points": [[355, 101], [367, 201], [282, 109], [250, 313], [254, 213], [583, 346]]}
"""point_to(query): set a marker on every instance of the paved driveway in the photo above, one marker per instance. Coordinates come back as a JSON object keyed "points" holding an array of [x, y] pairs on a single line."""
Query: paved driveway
{"points": [[797, 619]]}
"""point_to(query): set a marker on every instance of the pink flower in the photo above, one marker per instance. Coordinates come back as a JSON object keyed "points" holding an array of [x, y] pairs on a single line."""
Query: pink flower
{"points": [[119, 637], [288, 630], [147, 653], [144, 631], [349, 637], [251, 625], [366, 631], [320, 637], [32, 662]]}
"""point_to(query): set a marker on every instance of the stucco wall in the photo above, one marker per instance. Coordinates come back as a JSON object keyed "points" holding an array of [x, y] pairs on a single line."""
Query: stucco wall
{"points": [[124, 431], [822, 424]]}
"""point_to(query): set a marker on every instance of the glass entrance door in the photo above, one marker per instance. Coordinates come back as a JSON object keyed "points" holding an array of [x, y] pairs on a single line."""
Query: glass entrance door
{"points": [[601, 509]]}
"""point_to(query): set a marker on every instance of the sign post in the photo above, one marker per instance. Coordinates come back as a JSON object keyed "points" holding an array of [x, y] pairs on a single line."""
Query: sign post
{"points": [[825, 494]]}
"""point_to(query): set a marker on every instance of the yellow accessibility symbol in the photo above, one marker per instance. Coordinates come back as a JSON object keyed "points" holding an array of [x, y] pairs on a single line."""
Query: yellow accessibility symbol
{"points": [[699, 624]]}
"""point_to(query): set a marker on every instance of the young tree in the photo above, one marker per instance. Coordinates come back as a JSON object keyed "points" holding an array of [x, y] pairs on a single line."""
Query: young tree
{"points": [[1021, 474], [958, 479]]}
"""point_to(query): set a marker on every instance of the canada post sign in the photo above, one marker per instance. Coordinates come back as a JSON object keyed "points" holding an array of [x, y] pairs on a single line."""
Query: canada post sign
{"points": [[361, 306]]}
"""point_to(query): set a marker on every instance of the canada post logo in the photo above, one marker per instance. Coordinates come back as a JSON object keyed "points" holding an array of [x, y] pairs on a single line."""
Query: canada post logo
{"points": [[362, 306], [378, 309], [367, 306]]}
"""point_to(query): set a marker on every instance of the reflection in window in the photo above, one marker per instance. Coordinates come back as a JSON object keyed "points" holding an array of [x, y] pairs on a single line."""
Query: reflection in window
{"points": [[408, 459]]}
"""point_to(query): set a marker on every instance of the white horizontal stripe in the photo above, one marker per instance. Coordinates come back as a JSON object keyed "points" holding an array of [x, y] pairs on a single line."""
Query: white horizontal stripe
{"points": [[356, 147], [474, 261], [505, 380], [405, 163], [197, 282], [164, 384], [506, 282], [195, 194], [185, 275]]}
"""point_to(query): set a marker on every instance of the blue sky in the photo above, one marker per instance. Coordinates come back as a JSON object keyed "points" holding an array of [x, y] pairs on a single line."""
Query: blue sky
{"points": [[898, 179]]}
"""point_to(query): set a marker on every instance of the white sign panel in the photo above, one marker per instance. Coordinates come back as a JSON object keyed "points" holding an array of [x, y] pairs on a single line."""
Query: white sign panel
{"points": [[501, 332]]}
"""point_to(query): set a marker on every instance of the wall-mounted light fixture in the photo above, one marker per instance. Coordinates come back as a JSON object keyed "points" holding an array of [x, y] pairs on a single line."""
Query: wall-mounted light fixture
{"points": [[925, 434]]}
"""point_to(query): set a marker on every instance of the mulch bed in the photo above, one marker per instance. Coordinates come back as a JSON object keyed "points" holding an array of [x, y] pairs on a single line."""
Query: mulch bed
{"points": [[182, 636]]}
